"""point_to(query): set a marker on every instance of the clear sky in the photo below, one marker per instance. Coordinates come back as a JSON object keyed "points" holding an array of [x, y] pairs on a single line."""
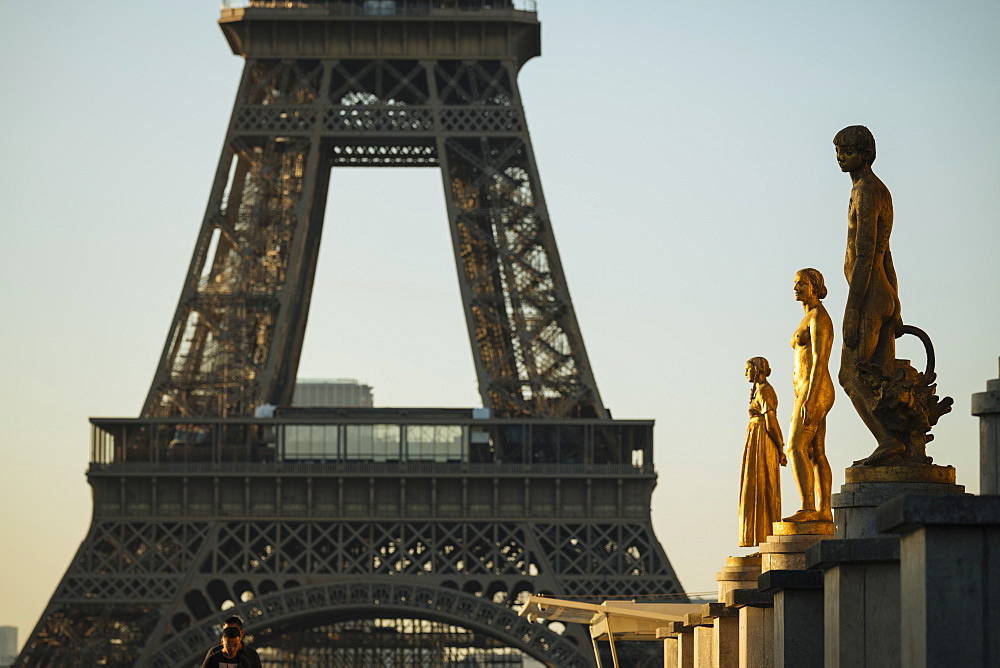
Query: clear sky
{"points": [[685, 153]]}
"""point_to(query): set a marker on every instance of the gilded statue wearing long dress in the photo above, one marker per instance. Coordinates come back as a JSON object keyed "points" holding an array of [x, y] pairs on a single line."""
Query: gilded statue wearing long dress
{"points": [[760, 482]]}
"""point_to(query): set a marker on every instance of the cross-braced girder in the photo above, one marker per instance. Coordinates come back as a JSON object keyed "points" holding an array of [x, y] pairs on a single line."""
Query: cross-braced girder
{"points": [[221, 339], [276, 540], [400, 643], [236, 338]]}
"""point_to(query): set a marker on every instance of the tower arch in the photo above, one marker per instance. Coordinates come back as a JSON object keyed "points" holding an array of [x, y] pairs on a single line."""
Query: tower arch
{"points": [[373, 598]]}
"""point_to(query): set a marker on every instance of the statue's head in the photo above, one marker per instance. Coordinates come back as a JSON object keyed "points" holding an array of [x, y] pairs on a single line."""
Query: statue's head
{"points": [[858, 139], [759, 367], [815, 279]]}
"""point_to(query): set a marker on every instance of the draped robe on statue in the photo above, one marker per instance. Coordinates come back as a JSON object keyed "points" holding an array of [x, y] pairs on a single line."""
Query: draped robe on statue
{"points": [[760, 482]]}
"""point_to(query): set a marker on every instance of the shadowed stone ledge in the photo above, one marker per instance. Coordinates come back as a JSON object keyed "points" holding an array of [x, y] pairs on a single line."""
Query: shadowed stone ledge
{"points": [[911, 510]]}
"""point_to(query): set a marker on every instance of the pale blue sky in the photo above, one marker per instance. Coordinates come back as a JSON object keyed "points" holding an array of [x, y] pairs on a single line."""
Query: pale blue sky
{"points": [[685, 152]]}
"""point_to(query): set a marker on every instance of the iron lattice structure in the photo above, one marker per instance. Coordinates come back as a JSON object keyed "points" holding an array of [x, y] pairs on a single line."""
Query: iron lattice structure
{"points": [[317, 92], [322, 520]]}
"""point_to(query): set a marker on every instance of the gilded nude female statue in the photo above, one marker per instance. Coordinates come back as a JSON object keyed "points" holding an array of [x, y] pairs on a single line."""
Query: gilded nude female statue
{"points": [[814, 395], [760, 484]]}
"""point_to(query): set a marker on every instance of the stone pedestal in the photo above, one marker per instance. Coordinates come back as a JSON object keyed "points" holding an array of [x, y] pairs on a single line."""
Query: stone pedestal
{"points": [[949, 578], [685, 645], [670, 642], [704, 640], [868, 487], [861, 565], [861, 601], [986, 405], [756, 626], [798, 616], [786, 548], [725, 634], [738, 573], [756, 637]]}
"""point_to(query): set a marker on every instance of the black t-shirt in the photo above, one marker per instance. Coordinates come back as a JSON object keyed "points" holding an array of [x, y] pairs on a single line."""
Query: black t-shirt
{"points": [[216, 659]]}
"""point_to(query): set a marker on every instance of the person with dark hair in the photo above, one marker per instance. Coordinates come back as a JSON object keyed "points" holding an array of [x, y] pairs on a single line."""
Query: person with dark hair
{"points": [[231, 625], [230, 653], [812, 342], [760, 484]]}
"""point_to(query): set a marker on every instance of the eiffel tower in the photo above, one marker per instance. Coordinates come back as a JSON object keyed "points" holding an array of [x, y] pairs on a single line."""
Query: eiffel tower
{"points": [[355, 537]]}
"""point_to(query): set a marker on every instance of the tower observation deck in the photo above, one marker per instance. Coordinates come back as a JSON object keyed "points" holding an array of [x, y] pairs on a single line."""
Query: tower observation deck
{"points": [[362, 536]]}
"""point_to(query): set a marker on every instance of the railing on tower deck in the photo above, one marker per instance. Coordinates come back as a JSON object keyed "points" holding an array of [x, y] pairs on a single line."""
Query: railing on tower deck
{"points": [[388, 7], [374, 441]]}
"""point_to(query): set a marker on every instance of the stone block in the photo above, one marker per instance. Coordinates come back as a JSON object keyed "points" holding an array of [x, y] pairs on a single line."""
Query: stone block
{"points": [[739, 598], [900, 474], [712, 611], [756, 640], [792, 538], [775, 581], [704, 641], [861, 601], [726, 641], [748, 561], [988, 402], [909, 512], [855, 506], [670, 652], [786, 544], [802, 528], [728, 573], [986, 406], [829, 553], [685, 647], [781, 561], [738, 573], [787, 552], [949, 578], [694, 619], [797, 616]]}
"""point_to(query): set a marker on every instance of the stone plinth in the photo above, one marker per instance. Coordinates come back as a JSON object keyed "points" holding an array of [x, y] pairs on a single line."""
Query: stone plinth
{"points": [[725, 634], [669, 647], [685, 645], [986, 405], [949, 578], [756, 626], [861, 601], [756, 637], [786, 548], [738, 573], [669, 638], [798, 616], [868, 487], [704, 641]]}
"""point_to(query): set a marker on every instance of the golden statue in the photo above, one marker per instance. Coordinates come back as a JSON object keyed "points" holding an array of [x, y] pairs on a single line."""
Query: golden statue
{"points": [[814, 394], [760, 484], [896, 403]]}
